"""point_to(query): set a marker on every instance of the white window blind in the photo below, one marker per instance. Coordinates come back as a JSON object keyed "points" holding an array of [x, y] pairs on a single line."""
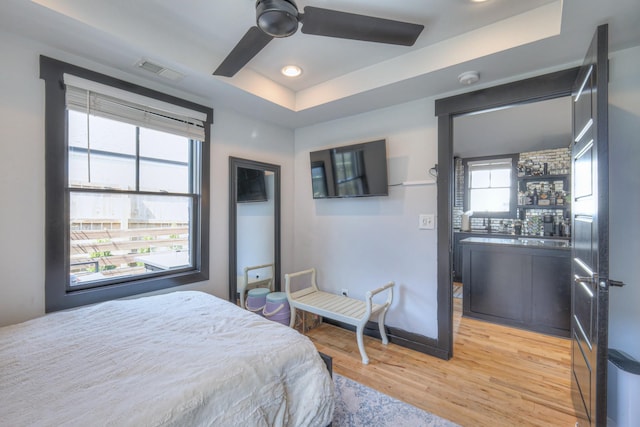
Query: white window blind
{"points": [[497, 164], [101, 100]]}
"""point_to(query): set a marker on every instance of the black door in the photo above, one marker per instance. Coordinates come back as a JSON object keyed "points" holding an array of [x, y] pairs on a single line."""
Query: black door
{"points": [[590, 231]]}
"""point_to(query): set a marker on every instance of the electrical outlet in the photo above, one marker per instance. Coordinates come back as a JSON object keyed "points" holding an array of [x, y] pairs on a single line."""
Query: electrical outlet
{"points": [[345, 292], [427, 221]]}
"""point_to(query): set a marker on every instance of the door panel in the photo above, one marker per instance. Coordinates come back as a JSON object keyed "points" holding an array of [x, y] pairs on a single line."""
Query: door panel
{"points": [[583, 169], [590, 247], [583, 231], [583, 311], [583, 373]]}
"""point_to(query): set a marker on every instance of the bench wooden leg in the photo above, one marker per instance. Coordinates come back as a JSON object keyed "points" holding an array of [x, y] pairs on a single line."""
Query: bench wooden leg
{"points": [[292, 321], [383, 333], [359, 336]]}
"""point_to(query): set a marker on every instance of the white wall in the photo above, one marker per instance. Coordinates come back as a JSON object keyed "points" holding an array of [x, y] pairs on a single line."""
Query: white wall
{"points": [[22, 162], [361, 243], [245, 138], [21, 184], [624, 199]]}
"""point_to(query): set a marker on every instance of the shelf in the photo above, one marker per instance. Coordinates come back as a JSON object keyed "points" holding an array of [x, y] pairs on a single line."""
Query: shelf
{"points": [[523, 181], [558, 207], [543, 177]]}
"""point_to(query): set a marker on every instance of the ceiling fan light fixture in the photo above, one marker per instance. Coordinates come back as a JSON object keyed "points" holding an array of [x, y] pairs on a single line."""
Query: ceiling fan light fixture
{"points": [[281, 18], [291, 70], [468, 78], [278, 18]]}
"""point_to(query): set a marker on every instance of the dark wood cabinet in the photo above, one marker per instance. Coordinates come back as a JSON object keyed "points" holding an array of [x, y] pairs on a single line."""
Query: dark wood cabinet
{"points": [[516, 285], [551, 291], [457, 249]]}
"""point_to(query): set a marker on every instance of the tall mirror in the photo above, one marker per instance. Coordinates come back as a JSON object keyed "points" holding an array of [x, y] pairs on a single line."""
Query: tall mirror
{"points": [[254, 227]]}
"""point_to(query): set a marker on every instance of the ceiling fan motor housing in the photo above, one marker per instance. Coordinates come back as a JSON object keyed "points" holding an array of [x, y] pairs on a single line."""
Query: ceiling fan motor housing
{"points": [[278, 18]]}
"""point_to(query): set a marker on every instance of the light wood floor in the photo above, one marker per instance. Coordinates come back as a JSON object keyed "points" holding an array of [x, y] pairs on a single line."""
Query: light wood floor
{"points": [[498, 376]]}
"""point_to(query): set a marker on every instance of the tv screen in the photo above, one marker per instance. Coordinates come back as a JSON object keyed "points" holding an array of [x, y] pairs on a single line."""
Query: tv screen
{"points": [[356, 170], [251, 185]]}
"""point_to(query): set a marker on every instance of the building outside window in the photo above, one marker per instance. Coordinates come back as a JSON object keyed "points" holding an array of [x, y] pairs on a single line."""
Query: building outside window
{"points": [[127, 178]]}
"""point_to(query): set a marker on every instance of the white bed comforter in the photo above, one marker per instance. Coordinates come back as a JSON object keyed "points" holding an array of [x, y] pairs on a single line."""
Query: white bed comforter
{"points": [[181, 359]]}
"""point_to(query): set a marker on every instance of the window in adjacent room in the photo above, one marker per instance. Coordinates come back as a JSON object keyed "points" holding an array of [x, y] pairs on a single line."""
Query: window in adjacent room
{"points": [[350, 176], [490, 186], [127, 188]]}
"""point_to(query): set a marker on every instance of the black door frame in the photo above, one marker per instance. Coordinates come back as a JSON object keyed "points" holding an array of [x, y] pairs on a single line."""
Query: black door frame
{"points": [[540, 88]]}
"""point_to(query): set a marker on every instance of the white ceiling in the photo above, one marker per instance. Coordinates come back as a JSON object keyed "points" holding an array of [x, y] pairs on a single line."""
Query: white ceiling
{"points": [[500, 39], [528, 127]]}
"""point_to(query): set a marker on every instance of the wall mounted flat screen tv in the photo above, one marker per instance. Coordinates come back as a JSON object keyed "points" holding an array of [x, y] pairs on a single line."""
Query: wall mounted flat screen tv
{"points": [[356, 170], [251, 185]]}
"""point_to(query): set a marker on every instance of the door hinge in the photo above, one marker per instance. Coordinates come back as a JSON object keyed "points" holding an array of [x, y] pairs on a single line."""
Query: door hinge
{"points": [[616, 283]]}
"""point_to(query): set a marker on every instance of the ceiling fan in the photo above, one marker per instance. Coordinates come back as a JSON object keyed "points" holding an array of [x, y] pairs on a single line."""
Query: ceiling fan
{"points": [[280, 18]]}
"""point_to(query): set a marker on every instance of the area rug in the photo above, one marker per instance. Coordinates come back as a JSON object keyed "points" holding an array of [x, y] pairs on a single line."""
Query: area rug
{"points": [[457, 291], [358, 405]]}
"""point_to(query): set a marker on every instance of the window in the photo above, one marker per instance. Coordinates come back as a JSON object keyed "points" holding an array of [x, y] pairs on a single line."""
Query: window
{"points": [[127, 188], [490, 186], [350, 175]]}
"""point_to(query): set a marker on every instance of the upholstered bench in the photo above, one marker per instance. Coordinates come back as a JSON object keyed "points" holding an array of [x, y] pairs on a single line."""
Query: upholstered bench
{"points": [[338, 307]]}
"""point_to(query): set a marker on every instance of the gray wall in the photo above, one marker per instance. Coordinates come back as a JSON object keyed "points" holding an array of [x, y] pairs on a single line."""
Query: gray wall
{"points": [[624, 199], [362, 243]]}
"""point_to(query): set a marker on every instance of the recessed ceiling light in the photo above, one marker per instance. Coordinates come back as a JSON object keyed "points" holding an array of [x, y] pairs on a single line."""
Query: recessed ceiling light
{"points": [[478, 1], [291, 71], [468, 77]]}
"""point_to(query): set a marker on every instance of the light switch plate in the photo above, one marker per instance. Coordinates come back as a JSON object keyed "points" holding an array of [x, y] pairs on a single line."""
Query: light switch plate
{"points": [[426, 221]]}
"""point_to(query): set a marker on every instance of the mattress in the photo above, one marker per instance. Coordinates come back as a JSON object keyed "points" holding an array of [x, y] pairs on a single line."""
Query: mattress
{"points": [[180, 359]]}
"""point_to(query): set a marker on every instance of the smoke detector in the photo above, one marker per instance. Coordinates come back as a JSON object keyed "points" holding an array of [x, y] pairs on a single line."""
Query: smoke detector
{"points": [[160, 70], [468, 78]]}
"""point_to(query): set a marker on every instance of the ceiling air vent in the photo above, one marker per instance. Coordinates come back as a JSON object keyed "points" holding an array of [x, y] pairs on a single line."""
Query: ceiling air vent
{"points": [[160, 70]]}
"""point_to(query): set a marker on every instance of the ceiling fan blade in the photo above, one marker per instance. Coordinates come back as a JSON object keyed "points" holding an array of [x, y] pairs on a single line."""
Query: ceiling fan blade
{"points": [[251, 43], [332, 23]]}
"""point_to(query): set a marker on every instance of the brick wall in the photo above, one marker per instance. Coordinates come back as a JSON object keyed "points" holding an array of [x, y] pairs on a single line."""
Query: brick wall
{"points": [[558, 163]]}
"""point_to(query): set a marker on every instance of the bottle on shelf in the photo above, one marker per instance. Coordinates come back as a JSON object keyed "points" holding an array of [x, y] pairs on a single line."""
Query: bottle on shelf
{"points": [[543, 196], [534, 197]]}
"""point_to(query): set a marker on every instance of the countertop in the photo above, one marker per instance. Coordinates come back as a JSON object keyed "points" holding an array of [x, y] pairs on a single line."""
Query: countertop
{"points": [[542, 243], [502, 234]]}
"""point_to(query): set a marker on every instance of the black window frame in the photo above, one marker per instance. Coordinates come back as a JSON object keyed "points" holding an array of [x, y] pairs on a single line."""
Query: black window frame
{"points": [[513, 186], [57, 225]]}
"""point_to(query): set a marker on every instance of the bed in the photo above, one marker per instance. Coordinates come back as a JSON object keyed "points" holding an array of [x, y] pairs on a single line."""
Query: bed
{"points": [[180, 359]]}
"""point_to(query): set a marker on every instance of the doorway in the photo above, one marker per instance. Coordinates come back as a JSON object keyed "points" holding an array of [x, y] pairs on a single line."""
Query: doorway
{"points": [[531, 90], [503, 159]]}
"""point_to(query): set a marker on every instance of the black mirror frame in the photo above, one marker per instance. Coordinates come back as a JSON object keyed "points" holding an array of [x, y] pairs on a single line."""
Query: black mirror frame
{"points": [[234, 164]]}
